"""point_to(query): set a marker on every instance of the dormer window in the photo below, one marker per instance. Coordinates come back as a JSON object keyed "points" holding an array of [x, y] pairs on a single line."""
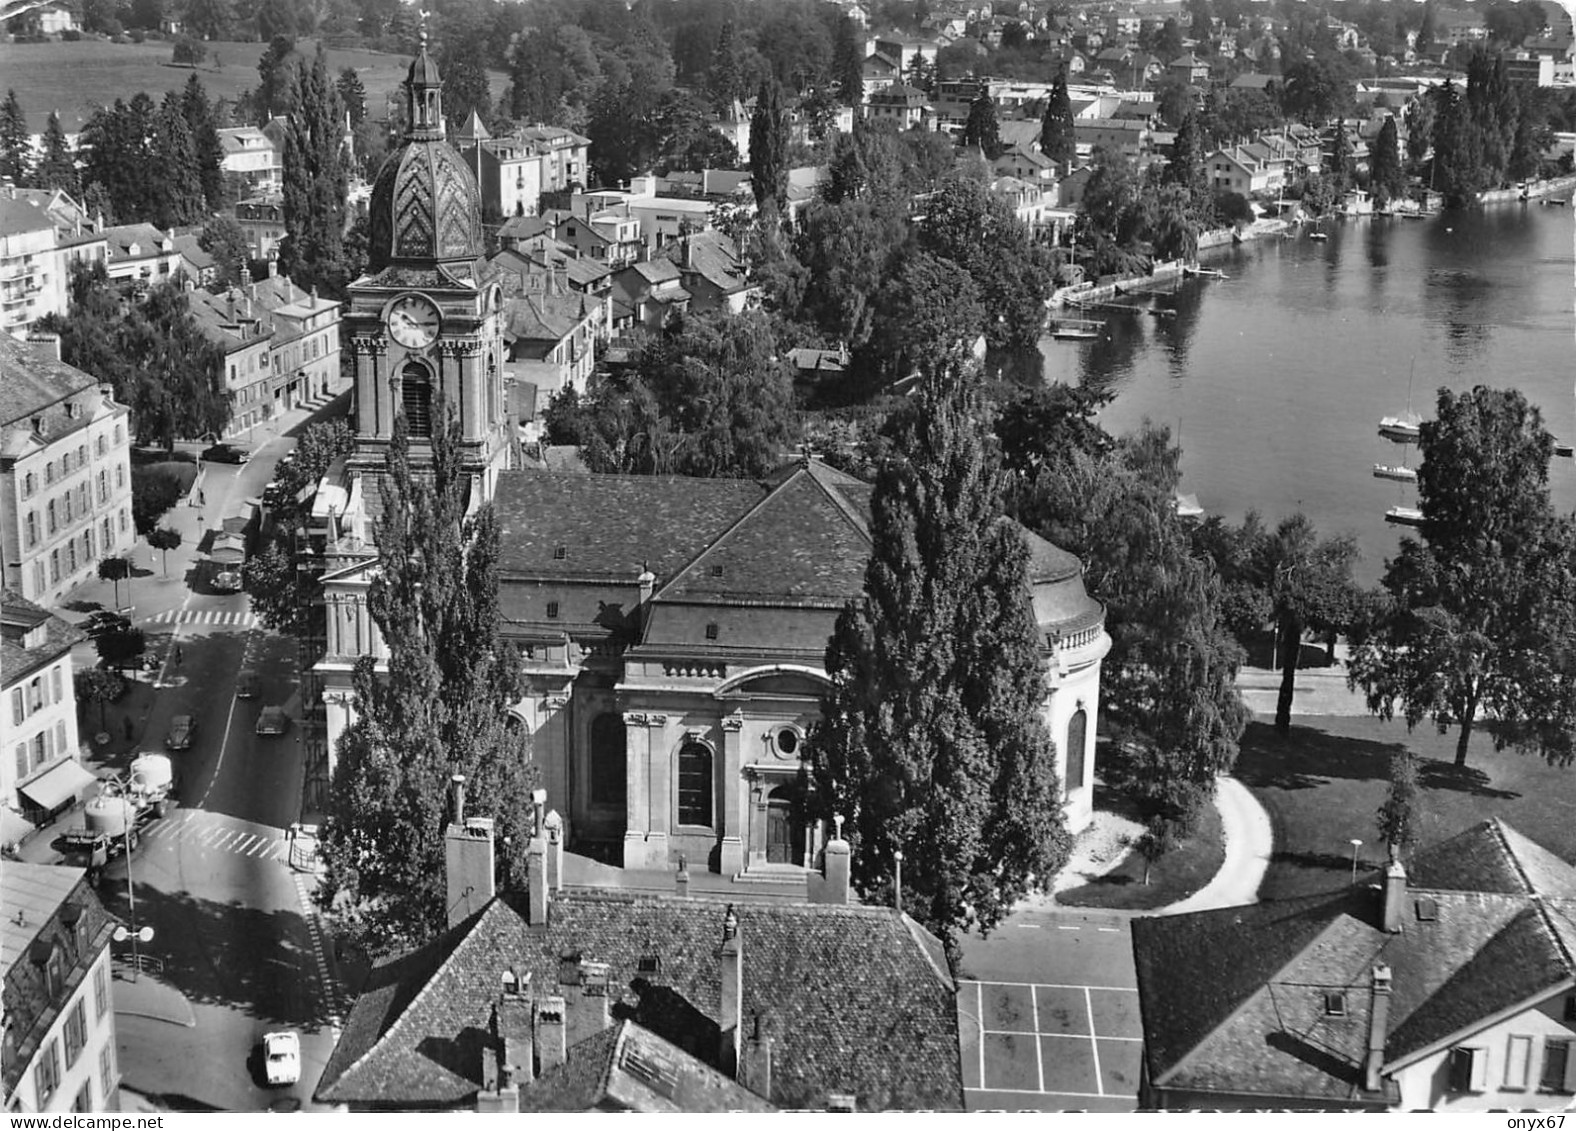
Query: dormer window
{"points": [[1427, 910], [560, 553], [716, 571], [1334, 1004], [552, 610], [712, 631]]}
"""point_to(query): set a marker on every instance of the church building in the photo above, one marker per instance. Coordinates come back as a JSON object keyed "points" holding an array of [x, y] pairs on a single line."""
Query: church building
{"points": [[673, 630]]}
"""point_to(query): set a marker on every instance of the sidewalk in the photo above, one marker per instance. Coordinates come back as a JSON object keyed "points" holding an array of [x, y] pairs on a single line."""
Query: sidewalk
{"points": [[1249, 841]]}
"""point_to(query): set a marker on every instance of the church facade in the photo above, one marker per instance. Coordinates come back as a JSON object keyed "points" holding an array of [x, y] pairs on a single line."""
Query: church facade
{"points": [[673, 631]]}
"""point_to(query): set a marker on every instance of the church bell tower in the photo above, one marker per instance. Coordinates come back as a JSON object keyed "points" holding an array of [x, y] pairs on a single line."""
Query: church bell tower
{"points": [[425, 323]]}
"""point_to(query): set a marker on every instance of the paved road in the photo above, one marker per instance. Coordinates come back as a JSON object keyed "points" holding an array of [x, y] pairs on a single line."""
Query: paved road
{"points": [[214, 878]]}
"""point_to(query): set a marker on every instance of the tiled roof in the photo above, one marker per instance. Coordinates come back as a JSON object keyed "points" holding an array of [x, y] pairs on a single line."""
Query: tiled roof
{"points": [[34, 897], [712, 256], [853, 1002], [628, 1067], [31, 381], [610, 524], [1232, 999], [147, 238], [59, 635], [18, 216]]}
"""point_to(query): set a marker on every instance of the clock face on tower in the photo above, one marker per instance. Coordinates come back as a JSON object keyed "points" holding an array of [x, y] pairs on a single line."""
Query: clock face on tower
{"points": [[413, 321]]}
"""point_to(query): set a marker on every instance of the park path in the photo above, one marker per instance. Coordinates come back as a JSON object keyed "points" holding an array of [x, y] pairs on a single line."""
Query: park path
{"points": [[1249, 841]]}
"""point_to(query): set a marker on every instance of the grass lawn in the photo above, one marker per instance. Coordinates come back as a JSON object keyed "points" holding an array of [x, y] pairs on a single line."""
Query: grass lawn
{"points": [[1175, 876], [1324, 781], [75, 78]]}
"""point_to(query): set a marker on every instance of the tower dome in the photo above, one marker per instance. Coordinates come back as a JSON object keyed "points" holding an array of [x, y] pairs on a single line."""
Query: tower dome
{"points": [[426, 204]]}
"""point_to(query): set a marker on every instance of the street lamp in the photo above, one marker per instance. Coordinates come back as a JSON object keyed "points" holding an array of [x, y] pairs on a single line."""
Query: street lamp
{"points": [[1356, 844], [123, 933]]}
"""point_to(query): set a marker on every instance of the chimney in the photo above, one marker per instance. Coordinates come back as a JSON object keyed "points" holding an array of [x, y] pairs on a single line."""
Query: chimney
{"points": [[548, 1034], [229, 305], [728, 1017], [46, 341], [897, 881], [756, 1071], [588, 1003], [273, 268], [689, 252], [1394, 895], [555, 850], [835, 865], [681, 881], [468, 863], [536, 882], [457, 799], [1378, 1027], [647, 582]]}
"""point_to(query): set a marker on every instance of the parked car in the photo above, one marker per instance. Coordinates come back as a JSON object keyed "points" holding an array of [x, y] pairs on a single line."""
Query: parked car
{"points": [[227, 453], [103, 621], [228, 580], [181, 729], [246, 685], [282, 1057], [272, 721]]}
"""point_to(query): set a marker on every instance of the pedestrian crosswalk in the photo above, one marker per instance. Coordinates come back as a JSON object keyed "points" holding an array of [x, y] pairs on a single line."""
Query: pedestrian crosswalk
{"points": [[205, 616], [215, 833]]}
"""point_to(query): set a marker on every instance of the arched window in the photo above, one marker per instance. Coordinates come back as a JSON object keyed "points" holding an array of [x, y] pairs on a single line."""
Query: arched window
{"points": [[695, 785], [492, 391], [607, 760], [416, 399], [1076, 741]]}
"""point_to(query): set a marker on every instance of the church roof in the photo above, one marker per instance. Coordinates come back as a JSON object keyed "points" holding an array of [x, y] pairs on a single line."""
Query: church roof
{"points": [[425, 205]]}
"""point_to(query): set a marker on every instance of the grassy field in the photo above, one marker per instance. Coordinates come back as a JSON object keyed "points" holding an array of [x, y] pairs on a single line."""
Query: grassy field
{"points": [[1174, 877], [1323, 783], [75, 78]]}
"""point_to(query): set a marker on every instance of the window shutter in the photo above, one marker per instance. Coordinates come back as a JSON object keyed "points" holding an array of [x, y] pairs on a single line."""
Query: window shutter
{"points": [[1570, 1067], [1479, 1081], [1518, 1059]]}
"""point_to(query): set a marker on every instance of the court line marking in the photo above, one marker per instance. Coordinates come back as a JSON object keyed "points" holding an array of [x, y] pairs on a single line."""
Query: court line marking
{"points": [[1051, 985], [979, 1002], [1094, 1046], [1039, 1059], [1022, 1092]]}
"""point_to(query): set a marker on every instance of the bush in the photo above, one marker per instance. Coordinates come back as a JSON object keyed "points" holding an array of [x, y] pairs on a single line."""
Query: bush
{"points": [[70, 35]]}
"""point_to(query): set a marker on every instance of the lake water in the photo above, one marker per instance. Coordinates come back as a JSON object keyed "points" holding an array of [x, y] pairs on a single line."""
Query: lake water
{"points": [[1276, 377]]}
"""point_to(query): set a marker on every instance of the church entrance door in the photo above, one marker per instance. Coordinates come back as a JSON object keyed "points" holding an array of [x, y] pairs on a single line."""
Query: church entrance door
{"points": [[784, 827]]}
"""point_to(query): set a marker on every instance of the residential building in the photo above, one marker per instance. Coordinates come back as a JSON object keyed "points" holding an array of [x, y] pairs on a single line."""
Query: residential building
{"points": [[880, 73], [30, 284], [60, 1046], [900, 103], [550, 334], [1248, 169], [262, 218], [56, 17], [713, 272], [196, 264], [141, 253], [649, 294], [733, 123], [1448, 985], [515, 170], [251, 156], [1027, 199], [65, 472], [41, 773], [1528, 68], [304, 351], [1127, 136], [240, 327], [1029, 165], [739, 1004], [1189, 68], [904, 50]]}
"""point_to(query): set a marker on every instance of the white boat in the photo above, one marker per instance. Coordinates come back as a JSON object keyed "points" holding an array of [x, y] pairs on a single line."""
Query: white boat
{"points": [[1401, 473], [1563, 450], [1404, 516], [1317, 236], [1188, 507], [1204, 272], [1403, 429]]}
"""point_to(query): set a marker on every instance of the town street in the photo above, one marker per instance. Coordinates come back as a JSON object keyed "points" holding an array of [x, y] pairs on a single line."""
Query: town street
{"points": [[223, 886]]}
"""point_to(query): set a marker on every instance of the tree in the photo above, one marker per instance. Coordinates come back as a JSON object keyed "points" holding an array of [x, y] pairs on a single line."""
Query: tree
{"points": [[1427, 31], [120, 645], [441, 709], [927, 316], [1056, 128], [981, 131], [209, 19], [313, 251], [114, 569], [57, 166], [1168, 685], [1315, 90], [279, 78], [352, 95], [1308, 583], [1398, 818], [1476, 605], [276, 19], [204, 125], [224, 239], [769, 148], [1387, 176], [848, 63], [181, 200], [97, 685], [1419, 129], [189, 52], [16, 149], [725, 79], [165, 539], [931, 740]]}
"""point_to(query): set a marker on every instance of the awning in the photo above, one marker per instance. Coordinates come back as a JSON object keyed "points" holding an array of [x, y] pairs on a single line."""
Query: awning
{"points": [[13, 827], [56, 785]]}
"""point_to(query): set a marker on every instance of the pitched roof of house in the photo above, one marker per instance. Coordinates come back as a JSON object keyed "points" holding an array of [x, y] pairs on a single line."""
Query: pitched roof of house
{"points": [[628, 1067], [712, 256], [1232, 1000], [18, 216], [18, 618], [854, 998], [147, 239]]}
